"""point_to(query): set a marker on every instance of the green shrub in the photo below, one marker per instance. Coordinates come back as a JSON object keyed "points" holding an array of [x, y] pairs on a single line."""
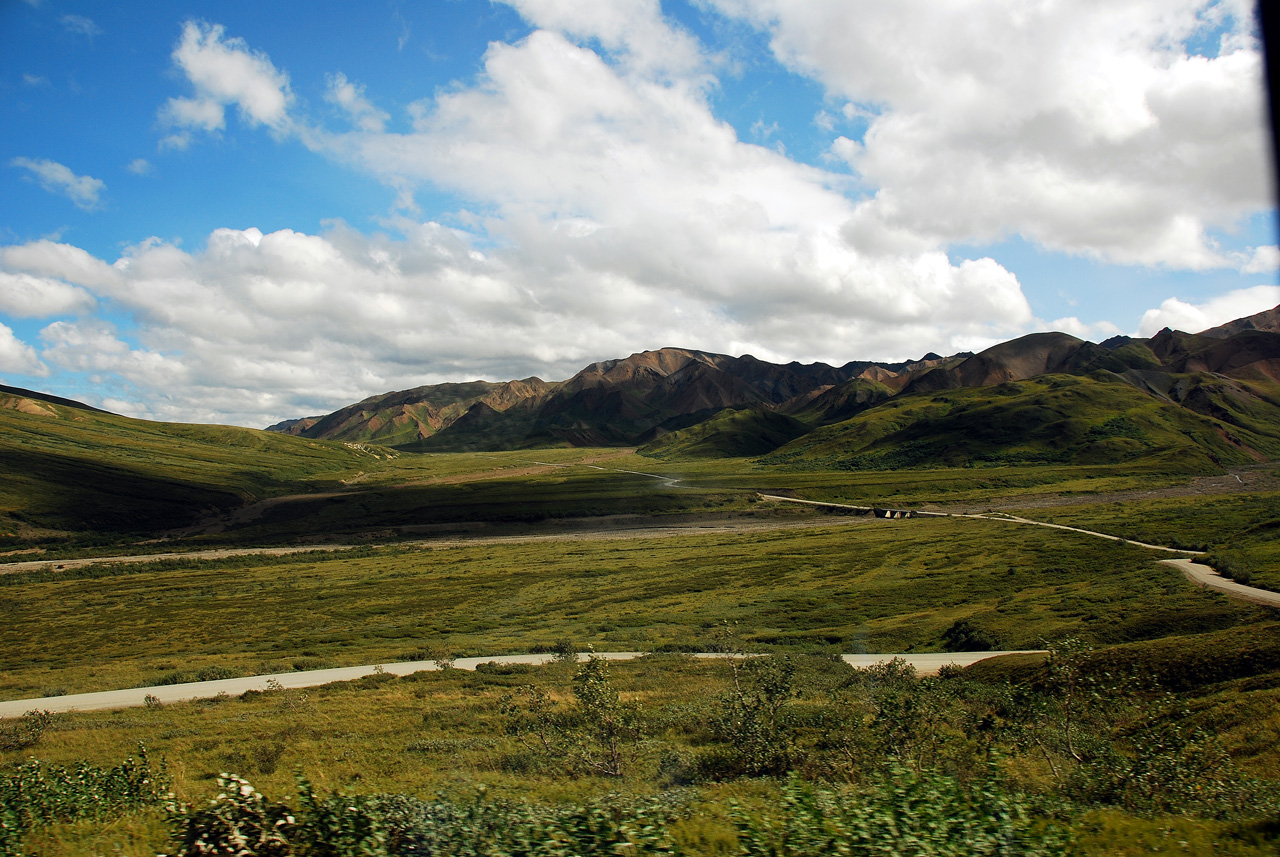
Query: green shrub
{"points": [[1230, 565], [239, 821], [752, 719], [903, 814], [26, 731], [35, 794]]}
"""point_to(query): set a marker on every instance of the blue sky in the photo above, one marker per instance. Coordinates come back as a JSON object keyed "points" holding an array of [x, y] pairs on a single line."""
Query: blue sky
{"points": [[243, 212]]}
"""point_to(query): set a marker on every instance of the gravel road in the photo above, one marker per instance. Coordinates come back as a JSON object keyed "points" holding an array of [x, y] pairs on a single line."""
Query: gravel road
{"points": [[135, 697], [1203, 575]]}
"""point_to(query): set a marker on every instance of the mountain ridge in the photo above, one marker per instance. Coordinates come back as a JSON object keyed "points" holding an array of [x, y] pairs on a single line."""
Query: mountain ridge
{"points": [[676, 401]]}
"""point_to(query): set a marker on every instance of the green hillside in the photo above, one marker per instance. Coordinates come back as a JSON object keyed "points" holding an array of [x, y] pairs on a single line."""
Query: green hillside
{"points": [[729, 434], [70, 469], [1093, 419]]}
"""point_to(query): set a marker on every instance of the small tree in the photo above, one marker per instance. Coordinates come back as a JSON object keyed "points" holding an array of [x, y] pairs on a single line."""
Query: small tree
{"points": [[591, 736], [751, 717], [609, 723]]}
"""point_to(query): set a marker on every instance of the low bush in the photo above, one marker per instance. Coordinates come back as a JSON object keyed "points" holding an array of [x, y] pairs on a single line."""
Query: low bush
{"points": [[241, 821], [35, 794], [903, 814], [26, 731]]}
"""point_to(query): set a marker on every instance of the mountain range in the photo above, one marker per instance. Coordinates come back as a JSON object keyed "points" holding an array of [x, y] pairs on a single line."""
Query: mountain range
{"points": [[1040, 397]]}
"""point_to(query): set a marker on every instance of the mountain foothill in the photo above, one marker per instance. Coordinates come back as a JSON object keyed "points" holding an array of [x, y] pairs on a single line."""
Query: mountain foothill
{"points": [[1210, 398]]}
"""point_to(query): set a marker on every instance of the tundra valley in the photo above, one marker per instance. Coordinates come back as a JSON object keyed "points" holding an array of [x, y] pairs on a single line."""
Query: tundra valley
{"points": [[629, 612]]}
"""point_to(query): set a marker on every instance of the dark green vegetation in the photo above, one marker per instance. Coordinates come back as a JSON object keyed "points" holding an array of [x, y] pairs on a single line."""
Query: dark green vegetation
{"points": [[730, 434], [1240, 531], [866, 585], [73, 480], [1053, 419], [69, 474]]}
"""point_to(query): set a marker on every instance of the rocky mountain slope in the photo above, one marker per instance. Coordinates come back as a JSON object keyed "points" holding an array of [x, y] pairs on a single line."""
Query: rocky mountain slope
{"points": [[614, 402], [1217, 391]]}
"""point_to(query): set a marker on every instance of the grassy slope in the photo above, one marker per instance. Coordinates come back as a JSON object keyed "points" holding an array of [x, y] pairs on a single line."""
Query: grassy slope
{"points": [[101, 476], [1244, 526], [729, 434], [1068, 419], [72, 477]]}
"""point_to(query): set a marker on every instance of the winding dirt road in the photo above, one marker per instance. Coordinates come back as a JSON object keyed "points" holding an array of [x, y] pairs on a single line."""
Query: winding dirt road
{"points": [[136, 697], [1198, 573], [1205, 576]]}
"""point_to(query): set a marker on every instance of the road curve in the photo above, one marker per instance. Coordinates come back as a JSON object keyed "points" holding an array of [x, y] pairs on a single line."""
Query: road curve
{"points": [[1199, 574], [1205, 576], [136, 697]]}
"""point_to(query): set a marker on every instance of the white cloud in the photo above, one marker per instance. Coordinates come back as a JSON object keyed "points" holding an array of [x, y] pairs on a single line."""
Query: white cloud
{"points": [[1193, 318], [84, 191], [17, 357], [80, 25], [612, 211], [203, 113], [1263, 260], [26, 296], [1095, 332], [225, 72], [139, 167], [47, 258], [616, 211], [1083, 127], [633, 30], [259, 326], [351, 98], [35, 80]]}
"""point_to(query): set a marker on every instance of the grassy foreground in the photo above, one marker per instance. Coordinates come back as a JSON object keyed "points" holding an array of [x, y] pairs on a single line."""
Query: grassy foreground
{"points": [[704, 749]]}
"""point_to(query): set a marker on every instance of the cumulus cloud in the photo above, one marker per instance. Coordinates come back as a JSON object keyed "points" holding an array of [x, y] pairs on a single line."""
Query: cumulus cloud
{"points": [[1095, 332], [17, 357], [611, 210], [139, 167], [1263, 260], [608, 185], [257, 326], [224, 72], [46, 258], [1085, 128], [85, 191], [351, 98], [633, 30], [26, 296], [1193, 318]]}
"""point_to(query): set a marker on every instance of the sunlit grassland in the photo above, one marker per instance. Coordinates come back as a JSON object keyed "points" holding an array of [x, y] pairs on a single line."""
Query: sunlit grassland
{"points": [[429, 734], [442, 733], [861, 584], [917, 487], [1242, 525]]}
